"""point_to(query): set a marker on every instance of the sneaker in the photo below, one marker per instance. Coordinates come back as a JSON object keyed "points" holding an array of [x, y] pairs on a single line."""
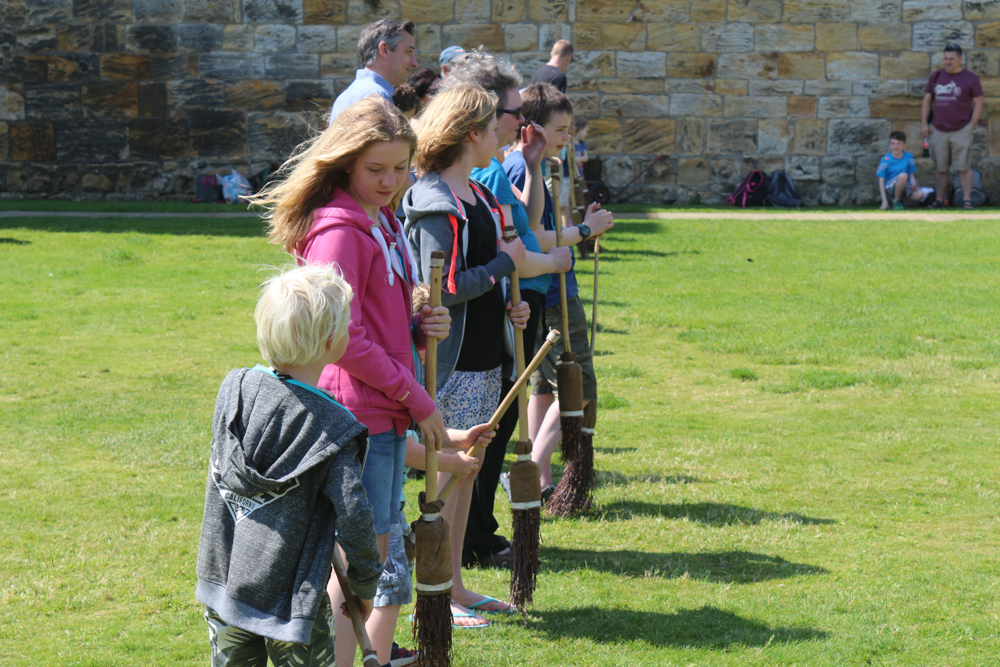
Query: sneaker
{"points": [[505, 483], [402, 656], [898, 206], [547, 493]]}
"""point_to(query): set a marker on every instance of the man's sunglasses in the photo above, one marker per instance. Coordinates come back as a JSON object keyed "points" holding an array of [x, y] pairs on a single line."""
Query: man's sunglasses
{"points": [[516, 113]]}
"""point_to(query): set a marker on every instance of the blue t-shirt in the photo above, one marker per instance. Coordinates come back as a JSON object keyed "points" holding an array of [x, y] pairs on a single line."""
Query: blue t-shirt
{"points": [[366, 82], [495, 178], [889, 167], [517, 172]]}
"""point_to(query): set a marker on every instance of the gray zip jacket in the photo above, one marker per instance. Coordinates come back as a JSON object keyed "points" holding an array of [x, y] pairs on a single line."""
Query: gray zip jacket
{"points": [[436, 220], [284, 474]]}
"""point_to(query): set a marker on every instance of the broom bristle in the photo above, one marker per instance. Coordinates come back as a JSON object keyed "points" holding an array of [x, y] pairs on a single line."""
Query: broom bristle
{"points": [[570, 446], [432, 630], [574, 491], [524, 545]]}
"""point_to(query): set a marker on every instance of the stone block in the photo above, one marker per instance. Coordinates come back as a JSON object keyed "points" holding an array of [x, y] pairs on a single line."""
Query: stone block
{"points": [[4, 142], [50, 101], [151, 38], [875, 11], [935, 10], [114, 11], [730, 86], [363, 12], [30, 141], [672, 37], [70, 38], [642, 65], [312, 96], [292, 66], [220, 133], [553, 11], [106, 37], [473, 11], [676, 11], [173, 67], [748, 66], [431, 11], [338, 65], [757, 106], [253, 95], [275, 38], [689, 136], [211, 11], [508, 11], [857, 136], [725, 173], [691, 65], [810, 137], [802, 66], [820, 88], [327, 12], [988, 35], [776, 87], [991, 88], [904, 65], [755, 11], [933, 35], [472, 35], [624, 36], [803, 168], [92, 140], [36, 38], [587, 67], [273, 11], [852, 65], [881, 88], [985, 63], [982, 10], [605, 137], [842, 107], [231, 66], [690, 86], [706, 11], [153, 99], [428, 42], [316, 39], [520, 37], [157, 139], [11, 101], [773, 136], [586, 35], [651, 136], [727, 38], [882, 37], [784, 37], [695, 105], [627, 86], [817, 11], [635, 106], [766, 163], [195, 93], [162, 11], [603, 10], [550, 33], [693, 171], [994, 124], [837, 37], [110, 99], [73, 67], [731, 136], [802, 106], [48, 11], [837, 170], [586, 105], [124, 66], [275, 136], [238, 38]]}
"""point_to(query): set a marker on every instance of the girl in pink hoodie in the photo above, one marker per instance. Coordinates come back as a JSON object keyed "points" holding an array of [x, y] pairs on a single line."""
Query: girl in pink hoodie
{"points": [[336, 206]]}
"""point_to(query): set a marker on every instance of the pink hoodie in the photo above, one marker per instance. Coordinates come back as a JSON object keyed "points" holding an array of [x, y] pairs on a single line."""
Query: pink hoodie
{"points": [[375, 377]]}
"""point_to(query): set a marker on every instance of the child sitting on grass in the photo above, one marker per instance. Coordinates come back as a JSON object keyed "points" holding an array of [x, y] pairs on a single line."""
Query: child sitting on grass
{"points": [[288, 454], [895, 171]]}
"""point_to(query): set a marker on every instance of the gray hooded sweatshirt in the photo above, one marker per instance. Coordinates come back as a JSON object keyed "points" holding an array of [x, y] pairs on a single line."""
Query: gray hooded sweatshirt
{"points": [[284, 474], [435, 220]]}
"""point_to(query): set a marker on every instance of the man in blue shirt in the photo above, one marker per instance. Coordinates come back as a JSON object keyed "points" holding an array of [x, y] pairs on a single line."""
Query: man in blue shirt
{"points": [[388, 56]]}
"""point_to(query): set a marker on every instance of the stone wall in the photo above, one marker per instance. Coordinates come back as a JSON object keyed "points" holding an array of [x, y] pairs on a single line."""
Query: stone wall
{"points": [[134, 98]]}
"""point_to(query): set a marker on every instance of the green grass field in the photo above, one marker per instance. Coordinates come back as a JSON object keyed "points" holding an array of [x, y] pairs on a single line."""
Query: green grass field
{"points": [[796, 445]]}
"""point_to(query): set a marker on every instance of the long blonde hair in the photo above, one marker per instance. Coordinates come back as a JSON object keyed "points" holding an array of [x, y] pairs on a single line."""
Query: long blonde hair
{"points": [[446, 121], [322, 163]]}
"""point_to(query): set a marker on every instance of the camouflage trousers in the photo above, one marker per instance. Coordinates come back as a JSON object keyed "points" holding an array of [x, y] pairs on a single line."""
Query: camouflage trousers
{"points": [[233, 647]]}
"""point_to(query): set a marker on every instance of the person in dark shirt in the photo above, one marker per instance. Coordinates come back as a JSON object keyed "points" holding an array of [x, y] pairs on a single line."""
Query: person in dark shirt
{"points": [[554, 71]]}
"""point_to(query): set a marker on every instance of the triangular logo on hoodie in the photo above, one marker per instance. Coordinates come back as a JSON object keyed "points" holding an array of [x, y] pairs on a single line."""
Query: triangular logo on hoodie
{"points": [[240, 506]]}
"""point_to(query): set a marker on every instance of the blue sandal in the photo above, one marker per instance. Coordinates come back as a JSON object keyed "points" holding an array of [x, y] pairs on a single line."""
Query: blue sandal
{"points": [[477, 606]]}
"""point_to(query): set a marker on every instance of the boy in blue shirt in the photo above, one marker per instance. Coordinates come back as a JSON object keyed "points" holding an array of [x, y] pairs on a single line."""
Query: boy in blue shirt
{"points": [[895, 171]]}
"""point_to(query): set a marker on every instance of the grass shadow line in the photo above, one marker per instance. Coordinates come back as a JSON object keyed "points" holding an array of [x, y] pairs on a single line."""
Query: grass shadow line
{"points": [[707, 628], [710, 514], [244, 227], [11, 241], [605, 478]]}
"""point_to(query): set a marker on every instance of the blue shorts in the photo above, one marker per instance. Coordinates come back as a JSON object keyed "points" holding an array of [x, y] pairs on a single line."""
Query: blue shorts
{"points": [[395, 586], [383, 477]]}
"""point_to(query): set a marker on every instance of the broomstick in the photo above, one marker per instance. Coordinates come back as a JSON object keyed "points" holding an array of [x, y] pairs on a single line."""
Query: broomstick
{"points": [[432, 612], [522, 380], [525, 487], [593, 310], [569, 375], [369, 658], [577, 202]]}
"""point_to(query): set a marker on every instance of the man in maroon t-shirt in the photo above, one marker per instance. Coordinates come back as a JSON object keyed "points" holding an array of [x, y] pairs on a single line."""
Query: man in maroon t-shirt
{"points": [[957, 99]]}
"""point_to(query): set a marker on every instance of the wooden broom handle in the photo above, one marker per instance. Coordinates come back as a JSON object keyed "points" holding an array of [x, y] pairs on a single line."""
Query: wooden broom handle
{"points": [[522, 380], [557, 224], [430, 376], [369, 657], [509, 234], [593, 310]]}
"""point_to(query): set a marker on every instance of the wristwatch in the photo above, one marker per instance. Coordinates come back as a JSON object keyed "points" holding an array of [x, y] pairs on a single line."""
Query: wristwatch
{"points": [[584, 231]]}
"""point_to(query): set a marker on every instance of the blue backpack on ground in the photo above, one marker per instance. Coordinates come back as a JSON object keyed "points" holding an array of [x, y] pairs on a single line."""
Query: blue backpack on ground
{"points": [[781, 192], [750, 191]]}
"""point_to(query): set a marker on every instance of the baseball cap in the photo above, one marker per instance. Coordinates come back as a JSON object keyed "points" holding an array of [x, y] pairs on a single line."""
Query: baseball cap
{"points": [[449, 53]]}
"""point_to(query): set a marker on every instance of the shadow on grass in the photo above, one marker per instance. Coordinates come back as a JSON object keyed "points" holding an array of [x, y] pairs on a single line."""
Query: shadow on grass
{"points": [[10, 241], [603, 353], [161, 224], [706, 628], [619, 479], [711, 514], [729, 567], [635, 227]]}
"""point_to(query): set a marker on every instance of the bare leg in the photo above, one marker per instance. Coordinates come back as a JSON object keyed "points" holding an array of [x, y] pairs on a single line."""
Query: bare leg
{"points": [[965, 178], [546, 441], [900, 187], [538, 405], [381, 627], [346, 642], [941, 185]]}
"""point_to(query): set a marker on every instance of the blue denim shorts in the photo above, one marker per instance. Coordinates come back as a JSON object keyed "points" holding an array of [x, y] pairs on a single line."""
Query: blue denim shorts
{"points": [[395, 586], [383, 477]]}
